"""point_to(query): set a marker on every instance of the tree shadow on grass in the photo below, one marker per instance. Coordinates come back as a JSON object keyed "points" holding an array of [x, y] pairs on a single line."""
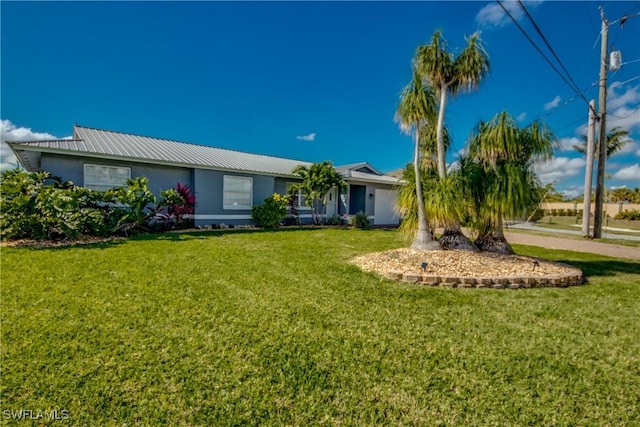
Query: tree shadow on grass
{"points": [[174, 236], [604, 267], [205, 234]]}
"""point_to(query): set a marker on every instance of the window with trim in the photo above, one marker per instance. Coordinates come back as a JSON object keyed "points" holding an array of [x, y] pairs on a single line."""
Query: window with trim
{"points": [[237, 192], [102, 177], [302, 199]]}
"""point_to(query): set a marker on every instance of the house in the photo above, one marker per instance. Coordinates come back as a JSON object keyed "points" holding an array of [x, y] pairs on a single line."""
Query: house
{"points": [[226, 183]]}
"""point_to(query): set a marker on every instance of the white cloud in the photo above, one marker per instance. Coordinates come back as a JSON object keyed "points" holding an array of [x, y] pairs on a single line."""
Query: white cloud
{"points": [[626, 118], [492, 15], [618, 96], [309, 137], [521, 117], [558, 168], [566, 144], [553, 103], [630, 173], [11, 132]]}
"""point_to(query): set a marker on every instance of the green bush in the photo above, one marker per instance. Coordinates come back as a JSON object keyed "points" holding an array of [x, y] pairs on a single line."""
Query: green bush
{"points": [[554, 212], [334, 220], [631, 215], [271, 212], [39, 206], [360, 220]]}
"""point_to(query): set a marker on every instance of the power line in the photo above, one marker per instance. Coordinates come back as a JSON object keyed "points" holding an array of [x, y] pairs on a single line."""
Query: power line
{"points": [[637, 110], [522, 30], [553, 52], [570, 100], [593, 26]]}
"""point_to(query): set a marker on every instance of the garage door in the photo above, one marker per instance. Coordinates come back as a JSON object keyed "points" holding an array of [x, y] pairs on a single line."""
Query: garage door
{"points": [[384, 212]]}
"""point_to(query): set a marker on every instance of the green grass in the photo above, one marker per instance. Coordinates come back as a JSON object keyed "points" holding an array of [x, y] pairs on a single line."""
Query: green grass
{"points": [[565, 223], [569, 223], [276, 328]]}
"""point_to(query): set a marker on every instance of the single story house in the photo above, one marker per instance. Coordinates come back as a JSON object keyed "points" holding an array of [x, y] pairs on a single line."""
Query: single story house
{"points": [[226, 183]]}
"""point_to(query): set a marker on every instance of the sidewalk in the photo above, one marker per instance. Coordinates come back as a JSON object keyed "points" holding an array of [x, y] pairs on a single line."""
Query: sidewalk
{"points": [[616, 251], [606, 233]]}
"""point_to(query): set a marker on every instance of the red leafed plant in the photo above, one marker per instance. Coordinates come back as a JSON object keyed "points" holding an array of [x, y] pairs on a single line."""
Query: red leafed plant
{"points": [[179, 201]]}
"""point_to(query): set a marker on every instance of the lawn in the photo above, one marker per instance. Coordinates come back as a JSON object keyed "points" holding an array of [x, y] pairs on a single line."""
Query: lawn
{"points": [[276, 328], [571, 223]]}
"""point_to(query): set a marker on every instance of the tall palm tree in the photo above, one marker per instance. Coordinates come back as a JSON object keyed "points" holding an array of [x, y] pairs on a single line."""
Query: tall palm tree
{"points": [[417, 107], [450, 75], [500, 170], [616, 140]]}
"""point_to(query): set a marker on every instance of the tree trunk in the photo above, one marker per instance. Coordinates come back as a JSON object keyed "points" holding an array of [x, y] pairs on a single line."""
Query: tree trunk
{"points": [[499, 232], [453, 238], [442, 165], [493, 243], [424, 239]]}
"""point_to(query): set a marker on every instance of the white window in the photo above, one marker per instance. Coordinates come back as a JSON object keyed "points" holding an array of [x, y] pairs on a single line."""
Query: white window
{"points": [[238, 192], [101, 177], [302, 199]]}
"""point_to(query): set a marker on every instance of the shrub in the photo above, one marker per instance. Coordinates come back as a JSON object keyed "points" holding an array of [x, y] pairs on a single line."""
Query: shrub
{"points": [[271, 212], [360, 220], [178, 202], [631, 215], [554, 212], [39, 206], [334, 220]]}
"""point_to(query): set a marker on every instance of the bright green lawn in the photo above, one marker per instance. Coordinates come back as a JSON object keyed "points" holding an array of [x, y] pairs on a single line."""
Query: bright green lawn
{"points": [[276, 328]]}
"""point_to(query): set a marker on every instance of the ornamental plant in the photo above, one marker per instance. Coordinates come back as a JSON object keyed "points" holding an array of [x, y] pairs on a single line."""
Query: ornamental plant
{"points": [[271, 212]]}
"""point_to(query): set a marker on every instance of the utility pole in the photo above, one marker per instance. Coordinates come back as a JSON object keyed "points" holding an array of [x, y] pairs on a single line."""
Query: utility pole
{"points": [[602, 139], [588, 174]]}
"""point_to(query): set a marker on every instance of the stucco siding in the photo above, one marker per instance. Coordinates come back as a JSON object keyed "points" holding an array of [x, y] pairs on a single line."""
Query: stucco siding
{"points": [[209, 189], [160, 177]]}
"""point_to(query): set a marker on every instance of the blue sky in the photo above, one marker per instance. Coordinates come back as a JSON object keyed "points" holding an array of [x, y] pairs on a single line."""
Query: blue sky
{"points": [[306, 80]]}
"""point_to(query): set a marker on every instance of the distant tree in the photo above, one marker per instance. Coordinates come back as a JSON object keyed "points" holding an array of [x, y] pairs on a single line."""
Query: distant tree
{"points": [[317, 180], [622, 195], [415, 111], [551, 195], [616, 140]]}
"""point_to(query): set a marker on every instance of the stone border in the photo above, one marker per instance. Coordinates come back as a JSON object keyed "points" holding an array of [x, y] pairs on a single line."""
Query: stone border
{"points": [[520, 282]]}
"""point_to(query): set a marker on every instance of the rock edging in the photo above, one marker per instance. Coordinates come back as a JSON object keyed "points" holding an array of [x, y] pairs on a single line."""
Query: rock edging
{"points": [[575, 278]]}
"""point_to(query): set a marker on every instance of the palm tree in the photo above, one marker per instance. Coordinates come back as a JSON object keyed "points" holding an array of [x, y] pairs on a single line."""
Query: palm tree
{"points": [[616, 140], [317, 180], [417, 107], [501, 177], [449, 75]]}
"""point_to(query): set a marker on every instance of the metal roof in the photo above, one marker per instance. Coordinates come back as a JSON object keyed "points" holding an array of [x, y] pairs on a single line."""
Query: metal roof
{"points": [[91, 142]]}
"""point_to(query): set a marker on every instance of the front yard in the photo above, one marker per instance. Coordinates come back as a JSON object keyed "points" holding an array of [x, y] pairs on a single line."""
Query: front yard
{"points": [[277, 328]]}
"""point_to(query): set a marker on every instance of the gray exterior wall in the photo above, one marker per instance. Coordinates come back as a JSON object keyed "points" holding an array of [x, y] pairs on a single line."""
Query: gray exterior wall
{"points": [[208, 187], [160, 177], [206, 184]]}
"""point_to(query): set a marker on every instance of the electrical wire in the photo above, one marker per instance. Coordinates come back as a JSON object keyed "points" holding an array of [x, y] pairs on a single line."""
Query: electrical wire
{"points": [[553, 52], [522, 30], [637, 110], [570, 100]]}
